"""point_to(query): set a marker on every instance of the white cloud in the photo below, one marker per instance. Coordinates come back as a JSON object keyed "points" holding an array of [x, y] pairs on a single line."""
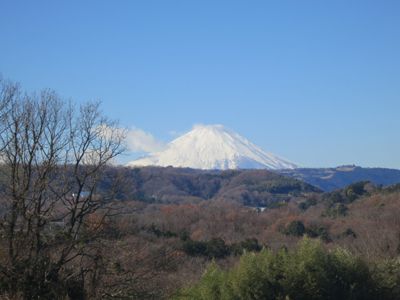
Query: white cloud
{"points": [[138, 140]]}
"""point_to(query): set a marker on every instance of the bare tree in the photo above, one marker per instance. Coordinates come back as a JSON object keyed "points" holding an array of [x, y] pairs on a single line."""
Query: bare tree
{"points": [[53, 156]]}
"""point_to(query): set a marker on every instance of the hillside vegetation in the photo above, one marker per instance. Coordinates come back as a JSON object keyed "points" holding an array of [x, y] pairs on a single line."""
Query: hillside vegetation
{"points": [[170, 246], [183, 233], [307, 272], [176, 185]]}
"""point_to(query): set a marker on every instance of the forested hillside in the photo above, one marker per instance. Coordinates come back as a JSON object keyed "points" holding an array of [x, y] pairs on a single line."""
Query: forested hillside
{"points": [[160, 229], [169, 246], [176, 185]]}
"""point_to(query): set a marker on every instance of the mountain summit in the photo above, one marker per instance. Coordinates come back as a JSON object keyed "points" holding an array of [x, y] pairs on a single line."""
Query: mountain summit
{"points": [[213, 147]]}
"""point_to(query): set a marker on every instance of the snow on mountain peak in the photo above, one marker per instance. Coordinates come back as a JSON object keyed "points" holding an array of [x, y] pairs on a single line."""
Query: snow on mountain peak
{"points": [[213, 147]]}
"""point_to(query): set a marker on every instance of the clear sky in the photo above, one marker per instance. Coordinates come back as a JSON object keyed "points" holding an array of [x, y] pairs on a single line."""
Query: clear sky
{"points": [[317, 82]]}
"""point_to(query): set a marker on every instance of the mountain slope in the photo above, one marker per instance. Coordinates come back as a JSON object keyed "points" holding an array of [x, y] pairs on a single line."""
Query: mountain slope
{"points": [[214, 147]]}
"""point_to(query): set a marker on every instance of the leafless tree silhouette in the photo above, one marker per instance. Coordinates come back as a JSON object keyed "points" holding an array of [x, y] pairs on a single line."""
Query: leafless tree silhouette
{"points": [[53, 155]]}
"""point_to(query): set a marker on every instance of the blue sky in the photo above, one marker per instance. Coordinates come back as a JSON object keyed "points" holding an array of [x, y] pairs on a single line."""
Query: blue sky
{"points": [[317, 82]]}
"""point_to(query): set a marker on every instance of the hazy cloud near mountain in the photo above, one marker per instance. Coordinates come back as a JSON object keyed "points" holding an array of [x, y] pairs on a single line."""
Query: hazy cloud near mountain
{"points": [[138, 140]]}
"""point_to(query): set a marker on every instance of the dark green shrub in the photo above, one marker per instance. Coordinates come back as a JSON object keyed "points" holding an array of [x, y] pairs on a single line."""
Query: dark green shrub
{"points": [[295, 228], [348, 233], [194, 248], [161, 233], [356, 190], [216, 248], [318, 232], [307, 204], [308, 273], [336, 210], [249, 245]]}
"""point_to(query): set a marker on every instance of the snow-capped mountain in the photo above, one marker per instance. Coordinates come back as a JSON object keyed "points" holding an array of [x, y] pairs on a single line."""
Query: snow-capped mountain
{"points": [[213, 147]]}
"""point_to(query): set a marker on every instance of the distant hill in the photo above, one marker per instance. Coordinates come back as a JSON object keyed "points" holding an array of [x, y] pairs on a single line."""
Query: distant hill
{"points": [[329, 179], [177, 185]]}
